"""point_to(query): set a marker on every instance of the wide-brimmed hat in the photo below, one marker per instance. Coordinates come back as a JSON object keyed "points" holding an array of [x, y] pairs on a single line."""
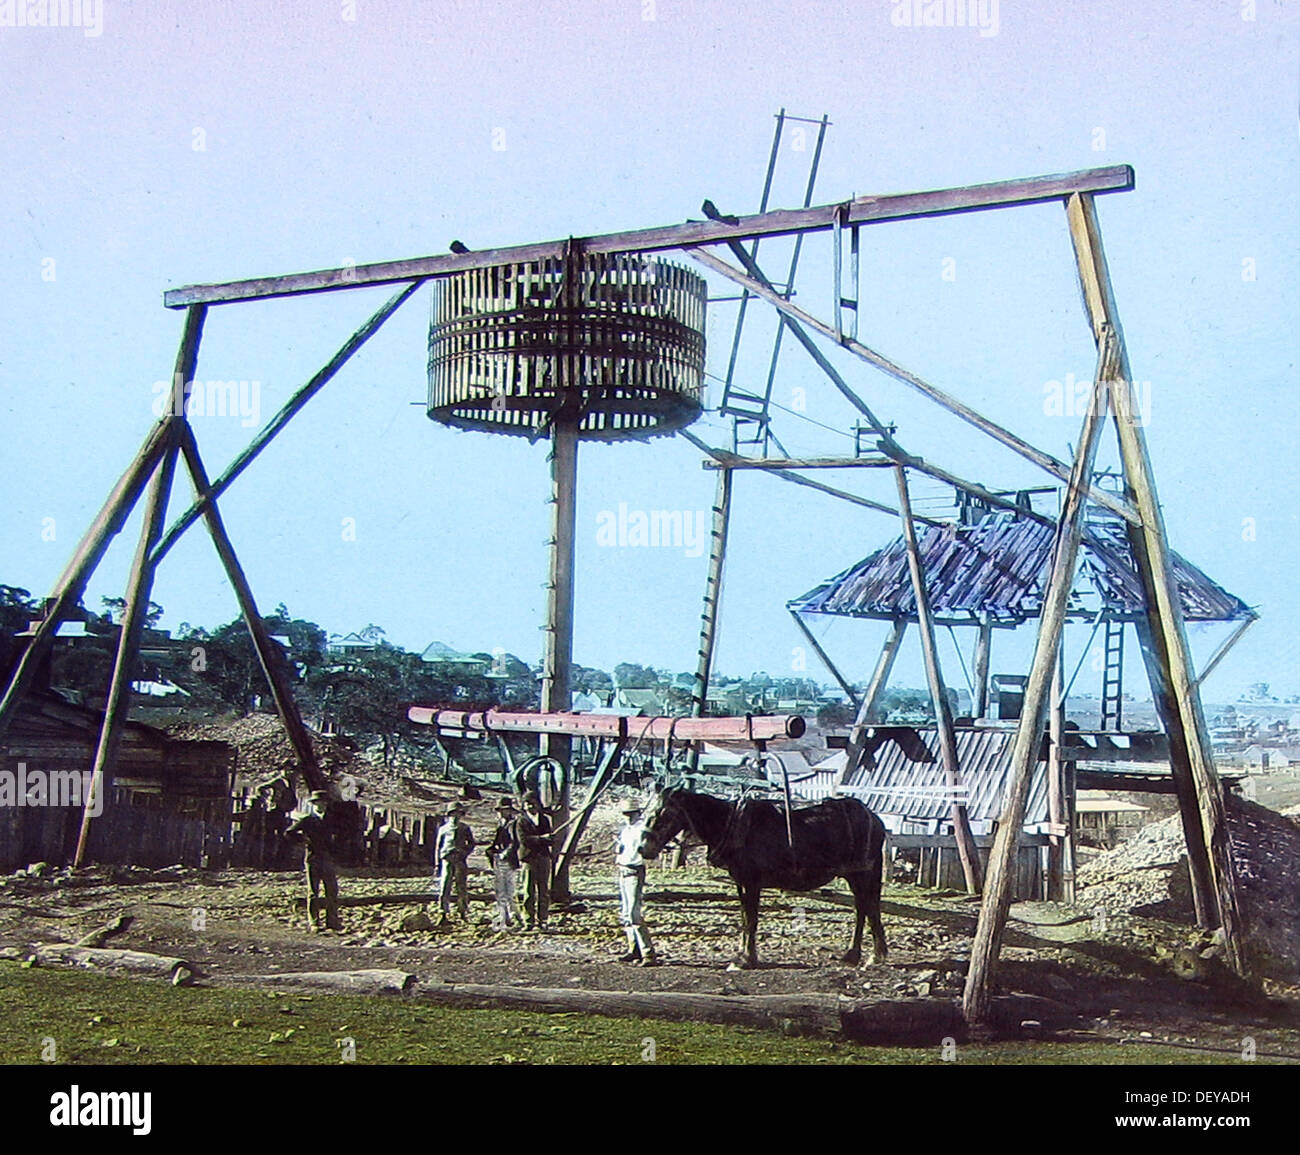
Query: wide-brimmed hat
{"points": [[456, 808], [506, 804], [631, 806]]}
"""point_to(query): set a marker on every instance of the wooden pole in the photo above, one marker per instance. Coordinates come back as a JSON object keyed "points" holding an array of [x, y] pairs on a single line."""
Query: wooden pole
{"points": [[983, 650], [712, 598], [140, 583], [71, 586], [558, 659], [1056, 790], [267, 655], [1151, 556], [723, 458], [966, 849], [1204, 902], [869, 710], [826, 659], [1029, 730]]}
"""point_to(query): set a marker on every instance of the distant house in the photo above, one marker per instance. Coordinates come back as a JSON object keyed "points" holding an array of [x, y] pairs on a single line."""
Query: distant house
{"points": [[453, 663], [349, 645], [1271, 757], [727, 700], [1101, 820], [584, 703], [642, 703]]}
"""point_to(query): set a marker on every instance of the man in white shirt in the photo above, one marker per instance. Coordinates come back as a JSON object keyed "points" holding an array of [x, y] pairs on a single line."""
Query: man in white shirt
{"points": [[629, 866]]}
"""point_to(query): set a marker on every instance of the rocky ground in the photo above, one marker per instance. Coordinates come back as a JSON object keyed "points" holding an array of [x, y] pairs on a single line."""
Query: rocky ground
{"points": [[1147, 875], [1116, 974]]}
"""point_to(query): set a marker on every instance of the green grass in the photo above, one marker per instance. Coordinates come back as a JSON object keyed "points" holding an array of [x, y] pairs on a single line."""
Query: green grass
{"points": [[96, 1019]]}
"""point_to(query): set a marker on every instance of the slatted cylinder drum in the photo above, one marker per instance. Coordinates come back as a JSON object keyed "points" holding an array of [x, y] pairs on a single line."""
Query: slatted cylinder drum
{"points": [[612, 344]]}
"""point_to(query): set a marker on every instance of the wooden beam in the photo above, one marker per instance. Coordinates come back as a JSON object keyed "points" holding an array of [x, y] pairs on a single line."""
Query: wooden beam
{"points": [[749, 728], [139, 587], [1204, 903], [89, 553], [557, 659], [1222, 652], [118, 702], [869, 709], [725, 458], [826, 659], [287, 412], [966, 850], [1028, 737], [1044, 461], [268, 656], [983, 650], [578, 822], [1151, 554], [863, 210], [712, 599], [773, 463]]}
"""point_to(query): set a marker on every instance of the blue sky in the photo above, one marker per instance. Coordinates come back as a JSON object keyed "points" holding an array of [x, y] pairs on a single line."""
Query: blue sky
{"points": [[202, 141]]}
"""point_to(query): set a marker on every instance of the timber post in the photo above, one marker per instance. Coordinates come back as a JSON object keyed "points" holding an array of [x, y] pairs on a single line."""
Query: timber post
{"points": [[140, 583], [1029, 730], [1191, 761], [966, 848]]}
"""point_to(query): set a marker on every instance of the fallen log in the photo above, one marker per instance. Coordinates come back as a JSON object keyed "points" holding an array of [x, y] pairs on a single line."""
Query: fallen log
{"points": [[878, 1022], [176, 970], [358, 982], [813, 1014]]}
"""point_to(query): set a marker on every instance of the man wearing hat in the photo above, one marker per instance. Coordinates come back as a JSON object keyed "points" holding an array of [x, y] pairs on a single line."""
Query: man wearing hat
{"points": [[503, 854], [310, 825], [451, 851], [629, 866], [534, 832]]}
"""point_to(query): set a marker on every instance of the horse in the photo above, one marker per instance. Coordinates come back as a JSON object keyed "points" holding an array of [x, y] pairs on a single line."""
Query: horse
{"points": [[837, 838]]}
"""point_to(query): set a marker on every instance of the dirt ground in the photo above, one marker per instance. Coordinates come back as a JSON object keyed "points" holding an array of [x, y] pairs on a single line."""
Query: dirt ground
{"points": [[1115, 976]]}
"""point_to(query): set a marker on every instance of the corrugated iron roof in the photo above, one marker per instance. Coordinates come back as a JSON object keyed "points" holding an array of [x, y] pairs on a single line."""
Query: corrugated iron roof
{"points": [[999, 567], [898, 785]]}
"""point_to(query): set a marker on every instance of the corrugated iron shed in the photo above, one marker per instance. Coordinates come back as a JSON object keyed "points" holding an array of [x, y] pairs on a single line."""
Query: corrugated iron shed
{"points": [[919, 791], [998, 567]]}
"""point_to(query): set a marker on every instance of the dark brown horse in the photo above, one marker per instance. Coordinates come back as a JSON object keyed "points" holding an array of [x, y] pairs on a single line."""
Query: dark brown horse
{"points": [[838, 838]]}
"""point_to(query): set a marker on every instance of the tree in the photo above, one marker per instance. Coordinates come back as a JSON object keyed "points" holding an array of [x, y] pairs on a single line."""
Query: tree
{"points": [[630, 676]]}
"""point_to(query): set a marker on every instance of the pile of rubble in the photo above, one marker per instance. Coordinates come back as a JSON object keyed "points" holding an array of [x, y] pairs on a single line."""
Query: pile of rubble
{"points": [[264, 753], [1148, 875]]}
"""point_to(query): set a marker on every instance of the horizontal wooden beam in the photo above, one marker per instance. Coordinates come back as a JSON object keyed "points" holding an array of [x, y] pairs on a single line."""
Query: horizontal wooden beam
{"points": [[781, 222], [802, 463], [758, 728], [721, 455]]}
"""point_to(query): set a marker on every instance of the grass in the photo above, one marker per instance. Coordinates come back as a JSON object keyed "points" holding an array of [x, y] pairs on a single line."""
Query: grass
{"points": [[101, 1019]]}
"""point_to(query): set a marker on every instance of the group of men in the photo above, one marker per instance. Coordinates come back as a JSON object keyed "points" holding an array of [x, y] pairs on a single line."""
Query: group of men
{"points": [[521, 854], [521, 846]]}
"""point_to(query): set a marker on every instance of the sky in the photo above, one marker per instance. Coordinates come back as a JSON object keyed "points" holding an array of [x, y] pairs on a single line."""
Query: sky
{"points": [[158, 144]]}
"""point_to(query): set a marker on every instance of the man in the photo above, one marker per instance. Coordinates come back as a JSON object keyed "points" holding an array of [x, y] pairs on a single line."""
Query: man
{"points": [[451, 850], [534, 831], [503, 854], [309, 824], [630, 869]]}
